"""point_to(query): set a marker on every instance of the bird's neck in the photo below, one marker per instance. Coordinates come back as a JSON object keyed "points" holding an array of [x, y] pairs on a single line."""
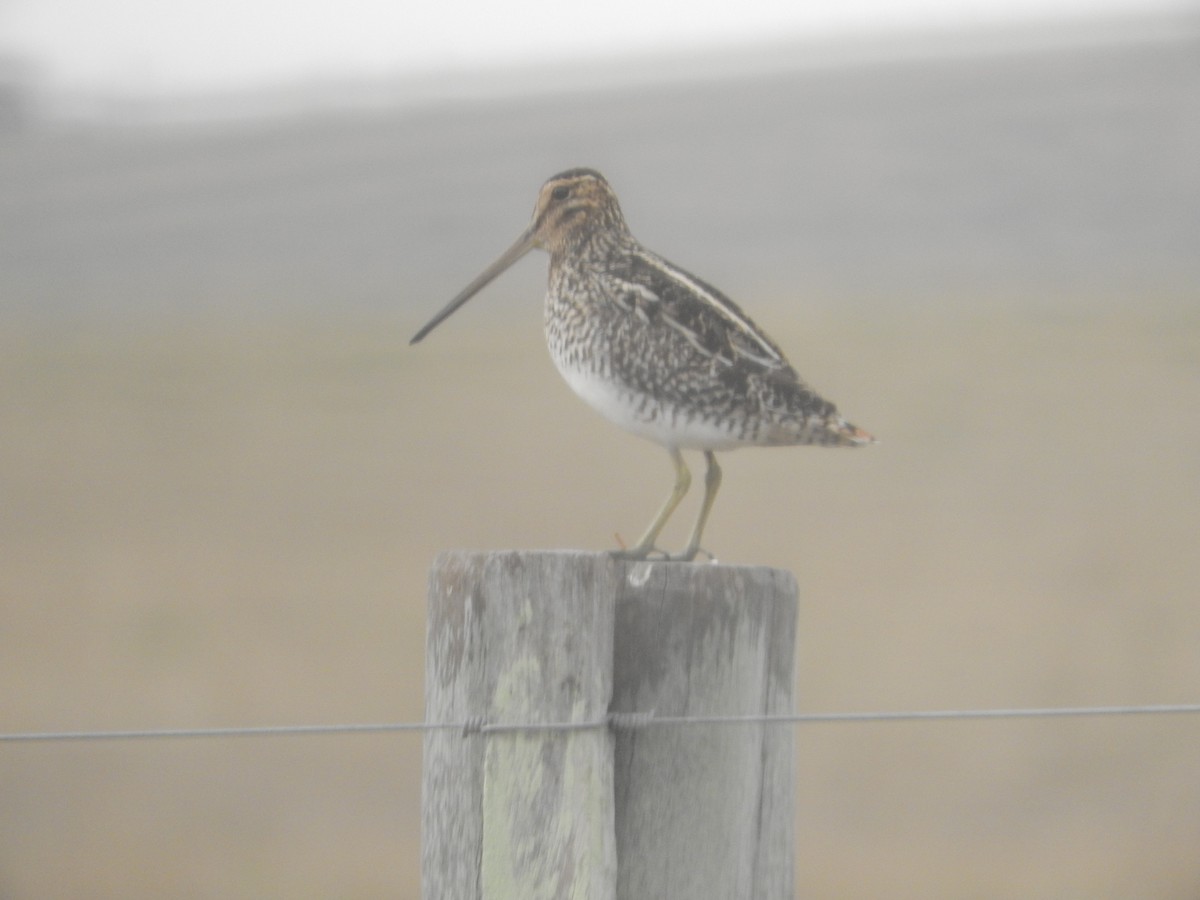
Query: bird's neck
{"points": [[593, 248]]}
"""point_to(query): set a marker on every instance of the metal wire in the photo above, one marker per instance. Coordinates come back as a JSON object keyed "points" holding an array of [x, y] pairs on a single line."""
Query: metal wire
{"points": [[616, 720]]}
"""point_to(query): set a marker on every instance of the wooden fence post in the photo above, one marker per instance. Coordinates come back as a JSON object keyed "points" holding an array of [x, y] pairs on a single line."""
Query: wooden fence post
{"points": [[697, 811], [513, 638], [705, 811]]}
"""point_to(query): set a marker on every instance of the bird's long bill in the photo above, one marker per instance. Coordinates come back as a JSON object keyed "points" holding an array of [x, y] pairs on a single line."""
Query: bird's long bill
{"points": [[523, 245]]}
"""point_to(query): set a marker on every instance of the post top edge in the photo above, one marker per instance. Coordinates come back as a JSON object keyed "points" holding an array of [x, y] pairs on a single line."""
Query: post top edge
{"points": [[558, 557]]}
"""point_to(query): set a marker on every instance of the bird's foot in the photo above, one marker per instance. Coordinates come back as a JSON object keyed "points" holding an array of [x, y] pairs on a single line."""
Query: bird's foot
{"points": [[644, 549], [657, 554], [640, 553], [691, 554]]}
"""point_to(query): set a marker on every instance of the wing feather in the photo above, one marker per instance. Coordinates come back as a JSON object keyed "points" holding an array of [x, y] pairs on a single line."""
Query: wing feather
{"points": [[657, 290]]}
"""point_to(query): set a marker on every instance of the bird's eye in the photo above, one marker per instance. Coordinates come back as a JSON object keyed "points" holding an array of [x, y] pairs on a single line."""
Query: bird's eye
{"points": [[562, 192]]}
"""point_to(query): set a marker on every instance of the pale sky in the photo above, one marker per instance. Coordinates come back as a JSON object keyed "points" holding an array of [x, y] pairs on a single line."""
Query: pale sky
{"points": [[166, 46]]}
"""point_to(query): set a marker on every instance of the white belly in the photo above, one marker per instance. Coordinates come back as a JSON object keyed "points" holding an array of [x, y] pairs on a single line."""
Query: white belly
{"points": [[644, 416]]}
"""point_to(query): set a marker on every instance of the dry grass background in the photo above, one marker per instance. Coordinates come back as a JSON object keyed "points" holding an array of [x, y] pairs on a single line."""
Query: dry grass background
{"points": [[208, 528], [226, 519]]}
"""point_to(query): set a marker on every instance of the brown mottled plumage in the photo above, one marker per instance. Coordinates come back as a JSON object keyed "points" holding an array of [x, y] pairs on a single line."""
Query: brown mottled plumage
{"points": [[655, 349]]}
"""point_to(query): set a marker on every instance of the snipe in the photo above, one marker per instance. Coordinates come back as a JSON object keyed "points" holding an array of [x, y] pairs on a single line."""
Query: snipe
{"points": [[655, 349]]}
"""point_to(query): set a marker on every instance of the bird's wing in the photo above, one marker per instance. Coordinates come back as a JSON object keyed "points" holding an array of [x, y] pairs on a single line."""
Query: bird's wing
{"points": [[657, 291]]}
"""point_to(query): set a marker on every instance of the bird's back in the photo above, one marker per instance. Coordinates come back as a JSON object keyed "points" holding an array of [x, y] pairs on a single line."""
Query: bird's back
{"points": [[667, 356]]}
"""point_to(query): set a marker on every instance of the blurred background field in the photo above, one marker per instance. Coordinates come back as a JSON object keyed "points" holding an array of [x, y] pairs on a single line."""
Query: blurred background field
{"points": [[224, 473]]}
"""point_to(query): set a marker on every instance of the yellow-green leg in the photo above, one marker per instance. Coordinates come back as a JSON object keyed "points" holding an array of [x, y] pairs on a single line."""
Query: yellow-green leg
{"points": [[683, 480], [712, 481]]}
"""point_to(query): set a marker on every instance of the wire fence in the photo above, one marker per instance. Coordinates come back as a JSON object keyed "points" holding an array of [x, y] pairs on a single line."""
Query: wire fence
{"points": [[616, 720]]}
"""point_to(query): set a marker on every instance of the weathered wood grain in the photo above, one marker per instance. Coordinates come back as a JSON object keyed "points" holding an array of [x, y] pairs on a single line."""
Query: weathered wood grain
{"points": [[705, 811], [519, 637]]}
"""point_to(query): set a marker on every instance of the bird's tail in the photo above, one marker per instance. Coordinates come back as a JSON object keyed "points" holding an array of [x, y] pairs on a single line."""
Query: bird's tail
{"points": [[828, 430], [847, 435]]}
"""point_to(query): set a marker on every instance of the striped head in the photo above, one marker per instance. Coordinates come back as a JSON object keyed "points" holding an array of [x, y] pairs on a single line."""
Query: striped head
{"points": [[572, 207]]}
